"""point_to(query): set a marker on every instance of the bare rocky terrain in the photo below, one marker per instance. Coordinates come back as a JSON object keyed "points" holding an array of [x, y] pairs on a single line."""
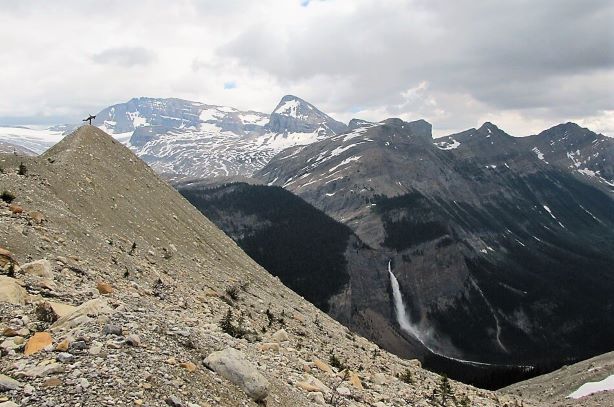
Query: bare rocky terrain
{"points": [[113, 288], [554, 388]]}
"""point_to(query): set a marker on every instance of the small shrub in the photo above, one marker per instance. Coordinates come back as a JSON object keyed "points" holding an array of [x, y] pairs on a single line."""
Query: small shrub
{"points": [[270, 316], [233, 292], [23, 170], [406, 377], [335, 362], [444, 393], [7, 196], [227, 325], [45, 313]]}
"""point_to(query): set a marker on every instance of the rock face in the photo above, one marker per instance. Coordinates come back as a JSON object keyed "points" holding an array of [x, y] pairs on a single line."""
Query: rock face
{"points": [[232, 365], [108, 218], [477, 227]]}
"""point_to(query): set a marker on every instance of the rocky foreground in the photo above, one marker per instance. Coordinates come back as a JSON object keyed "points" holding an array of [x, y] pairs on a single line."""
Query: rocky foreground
{"points": [[114, 290]]}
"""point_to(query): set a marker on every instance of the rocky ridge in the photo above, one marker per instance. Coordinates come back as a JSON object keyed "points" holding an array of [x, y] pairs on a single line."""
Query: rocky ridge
{"points": [[116, 291]]}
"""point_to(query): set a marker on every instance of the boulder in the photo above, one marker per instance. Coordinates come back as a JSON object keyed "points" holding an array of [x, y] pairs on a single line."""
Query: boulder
{"points": [[354, 380], [37, 216], [231, 364], [311, 384], [12, 292], [323, 366], [6, 258], [280, 336], [8, 383], [16, 209], [61, 309], [104, 288], [37, 342], [83, 314], [39, 268]]}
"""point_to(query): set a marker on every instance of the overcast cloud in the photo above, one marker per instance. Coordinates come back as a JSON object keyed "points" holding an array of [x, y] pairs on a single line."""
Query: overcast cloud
{"points": [[525, 65]]}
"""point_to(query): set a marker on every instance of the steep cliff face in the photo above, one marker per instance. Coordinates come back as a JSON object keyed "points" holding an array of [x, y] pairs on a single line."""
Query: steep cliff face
{"points": [[501, 256]]}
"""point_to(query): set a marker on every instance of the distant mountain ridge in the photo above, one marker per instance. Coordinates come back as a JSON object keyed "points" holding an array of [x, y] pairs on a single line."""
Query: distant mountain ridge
{"points": [[479, 229]]}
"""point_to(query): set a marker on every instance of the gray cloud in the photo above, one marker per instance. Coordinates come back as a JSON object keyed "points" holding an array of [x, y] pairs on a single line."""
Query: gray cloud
{"points": [[522, 64], [124, 56]]}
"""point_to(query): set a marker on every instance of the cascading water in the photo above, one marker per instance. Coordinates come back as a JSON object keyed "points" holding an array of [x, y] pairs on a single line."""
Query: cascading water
{"points": [[401, 313], [413, 330]]}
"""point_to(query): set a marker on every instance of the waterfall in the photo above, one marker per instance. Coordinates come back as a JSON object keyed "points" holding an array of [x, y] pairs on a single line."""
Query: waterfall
{"points": [[413, 330], [400, 310]]}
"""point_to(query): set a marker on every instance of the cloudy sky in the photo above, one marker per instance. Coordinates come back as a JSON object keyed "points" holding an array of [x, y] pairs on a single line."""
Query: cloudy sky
{"points": [[522, 64]]}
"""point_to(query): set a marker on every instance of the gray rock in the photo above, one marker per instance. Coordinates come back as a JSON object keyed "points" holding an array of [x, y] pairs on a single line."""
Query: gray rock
{"points": [[317, 397], [281, 336], [174, 401], [133, 340], [39, 268], [231, 364], [12, 292], [9, 404], [64, 357], [8, 383], [112, 329]]}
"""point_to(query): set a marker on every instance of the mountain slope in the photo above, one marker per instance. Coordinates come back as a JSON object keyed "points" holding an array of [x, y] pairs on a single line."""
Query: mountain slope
{"points": [[500, 256], [554, 389], [191, 139], [153, 278]]}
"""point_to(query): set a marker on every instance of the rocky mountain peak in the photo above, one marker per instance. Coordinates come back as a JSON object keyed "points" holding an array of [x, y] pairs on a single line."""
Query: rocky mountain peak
{"points": [[419, 127], [489, 129], [294, 115], [358, 123]]}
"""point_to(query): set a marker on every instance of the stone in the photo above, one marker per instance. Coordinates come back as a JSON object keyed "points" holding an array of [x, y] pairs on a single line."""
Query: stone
{"points": [[104, 288], [232, 365], [61, 309], [112, 329], [9, 404], [174, 401], [52, 382], [64, 357], [344, 391], [16, 209], [6, 258], [38, 268], [379, 378], [63, 345], [37, 216], [280, 336], [9, 332], [323, 366], [84, 383], [274, 346], [82, 314], [37, 342], [311, 384], [189, 366], [9, 344], [44, 370], [133, 340], [355, 381], [12, 292], [317, 398], [8, 383]]}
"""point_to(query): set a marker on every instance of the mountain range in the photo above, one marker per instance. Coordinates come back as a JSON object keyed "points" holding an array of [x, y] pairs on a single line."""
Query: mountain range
{"points": [[115, 290], [501, 247]]}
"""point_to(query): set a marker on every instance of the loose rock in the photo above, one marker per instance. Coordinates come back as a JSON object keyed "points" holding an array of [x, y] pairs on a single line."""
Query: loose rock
{"points": [[231, 364]]}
